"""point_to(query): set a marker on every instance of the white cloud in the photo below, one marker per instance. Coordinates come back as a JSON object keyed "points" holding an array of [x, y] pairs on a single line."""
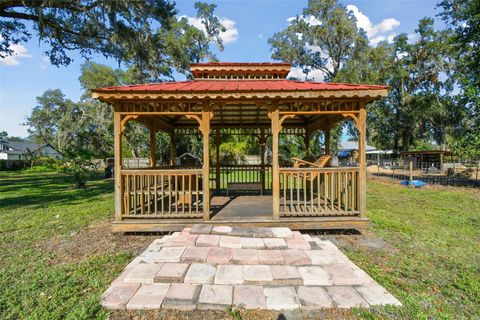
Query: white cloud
{"points": [[228, 36], [375, 32], [19, 52], [315, 75], [44, 63], [260, 35], [311, 20], [412, 37]]}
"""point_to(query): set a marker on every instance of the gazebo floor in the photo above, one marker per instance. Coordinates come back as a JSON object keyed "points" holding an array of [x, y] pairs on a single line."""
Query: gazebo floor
{"points": [[241, 207], [242, 210]]}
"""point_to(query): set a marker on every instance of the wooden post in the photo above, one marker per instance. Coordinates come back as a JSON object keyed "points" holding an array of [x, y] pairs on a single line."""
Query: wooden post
{"points": [[153, 141], [217, 160], [411, 168], [362, 159], [274, 115], [205, 129], [117, 139], [262, 142], [172, 149], [441, 162], [327, 140], [306, 141]]}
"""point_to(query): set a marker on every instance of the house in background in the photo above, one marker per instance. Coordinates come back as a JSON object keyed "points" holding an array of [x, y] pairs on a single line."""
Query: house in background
{"points": [[20, 150], [348, 152]]}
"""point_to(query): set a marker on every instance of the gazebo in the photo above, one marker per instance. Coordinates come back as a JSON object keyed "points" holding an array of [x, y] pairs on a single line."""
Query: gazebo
{"points": [[248, 99]]}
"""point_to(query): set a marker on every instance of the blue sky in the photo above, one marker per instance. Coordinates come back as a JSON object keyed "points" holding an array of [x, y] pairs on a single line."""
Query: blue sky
{"points": [[250, 24]]}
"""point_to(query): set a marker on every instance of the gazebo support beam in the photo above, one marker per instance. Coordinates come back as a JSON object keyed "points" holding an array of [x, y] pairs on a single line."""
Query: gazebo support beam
{"points": [[274, 115], [306, 141], [327, 140], [117, 124], [362, 158], [262, 142], [217, 160], [205, 129], [153, 142], [277, 121], [172, 149]]}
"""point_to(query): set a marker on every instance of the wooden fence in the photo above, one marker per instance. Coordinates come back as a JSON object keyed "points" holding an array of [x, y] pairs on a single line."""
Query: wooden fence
{"points": [[162, 193], [319, 191], [177, 192], [241, 173]]}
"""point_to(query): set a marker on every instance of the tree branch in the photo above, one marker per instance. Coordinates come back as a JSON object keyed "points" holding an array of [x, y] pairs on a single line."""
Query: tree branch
{"points": [[54, 25]]}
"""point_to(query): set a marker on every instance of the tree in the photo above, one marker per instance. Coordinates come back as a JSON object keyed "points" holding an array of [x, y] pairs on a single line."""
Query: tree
{"points": [[119, 29], [323, 38], [68, 126], [420, 98], [85, 128], [463, 21], [189, 44], [4, 135]]}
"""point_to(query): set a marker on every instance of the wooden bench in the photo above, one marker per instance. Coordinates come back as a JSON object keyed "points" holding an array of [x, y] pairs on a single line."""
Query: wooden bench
{"points": [[244, 186]]}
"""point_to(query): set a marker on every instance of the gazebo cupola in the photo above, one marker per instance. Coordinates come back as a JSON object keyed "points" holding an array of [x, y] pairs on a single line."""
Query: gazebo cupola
{"points": [[239, 70]]}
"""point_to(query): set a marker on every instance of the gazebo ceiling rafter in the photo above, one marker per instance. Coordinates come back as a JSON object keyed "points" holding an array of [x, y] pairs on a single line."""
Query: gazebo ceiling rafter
{"points": [[241, 113]]}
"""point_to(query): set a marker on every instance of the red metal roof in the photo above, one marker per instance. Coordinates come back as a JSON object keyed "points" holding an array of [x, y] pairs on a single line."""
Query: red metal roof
{"points": [[239, 85]]}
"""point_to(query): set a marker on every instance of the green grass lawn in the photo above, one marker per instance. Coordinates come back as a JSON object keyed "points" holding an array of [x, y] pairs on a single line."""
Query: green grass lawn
{"points": [[57, 255]]}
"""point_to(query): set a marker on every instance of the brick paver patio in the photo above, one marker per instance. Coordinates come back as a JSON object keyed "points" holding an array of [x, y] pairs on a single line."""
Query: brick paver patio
{"points": [[259, 268]]}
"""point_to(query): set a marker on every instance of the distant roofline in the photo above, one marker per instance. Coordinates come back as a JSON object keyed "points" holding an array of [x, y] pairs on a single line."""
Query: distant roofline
{"points": [[36, 146], [446, 152]]}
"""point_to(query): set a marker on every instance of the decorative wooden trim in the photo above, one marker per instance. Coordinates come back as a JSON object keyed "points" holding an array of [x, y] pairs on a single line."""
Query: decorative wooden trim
{"points": [[125, 119], [202, 121], [280, 120], [356, 120], [242, 95], [195, 117]]}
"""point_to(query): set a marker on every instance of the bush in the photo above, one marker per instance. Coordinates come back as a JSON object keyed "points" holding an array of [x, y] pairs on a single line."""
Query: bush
{"points": [[80, 170], [44, 164], [49, 163]]}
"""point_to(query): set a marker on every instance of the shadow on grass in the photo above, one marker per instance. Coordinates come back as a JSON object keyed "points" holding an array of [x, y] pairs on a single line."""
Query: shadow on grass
{"points": [[42, 189]]}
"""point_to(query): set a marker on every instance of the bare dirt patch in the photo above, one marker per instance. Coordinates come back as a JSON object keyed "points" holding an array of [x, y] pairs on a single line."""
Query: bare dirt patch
{"points": [[240, 314], [95, 240]]}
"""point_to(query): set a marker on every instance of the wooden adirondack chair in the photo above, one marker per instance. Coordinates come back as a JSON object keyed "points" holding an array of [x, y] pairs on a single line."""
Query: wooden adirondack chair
{"points": [[319, 163]]}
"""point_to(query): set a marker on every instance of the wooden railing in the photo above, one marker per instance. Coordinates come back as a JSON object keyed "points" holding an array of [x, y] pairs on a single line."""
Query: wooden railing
{"points": [[319, 191], [246, 173], [162, 193]]}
